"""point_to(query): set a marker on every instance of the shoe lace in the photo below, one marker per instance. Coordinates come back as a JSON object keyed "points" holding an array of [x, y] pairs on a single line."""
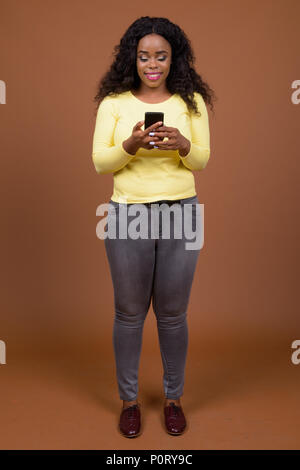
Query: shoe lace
{"points": [[131, 410], [175, 408]]}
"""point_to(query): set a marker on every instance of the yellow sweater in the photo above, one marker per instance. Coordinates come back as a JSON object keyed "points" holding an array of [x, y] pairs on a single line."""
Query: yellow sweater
{"points": [[155, 174]]}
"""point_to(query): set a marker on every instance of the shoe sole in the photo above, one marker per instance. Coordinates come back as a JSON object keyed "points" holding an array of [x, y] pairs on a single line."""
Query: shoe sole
{"points": [[130, 435], [175, 433]]}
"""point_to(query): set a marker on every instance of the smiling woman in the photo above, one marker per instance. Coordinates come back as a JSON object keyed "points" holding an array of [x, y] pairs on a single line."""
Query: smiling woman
{"points": [[152, 72], [153, 63], [152, 45]]}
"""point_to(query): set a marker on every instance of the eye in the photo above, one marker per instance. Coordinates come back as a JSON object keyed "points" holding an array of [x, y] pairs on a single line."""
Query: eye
{"points": [[161, 60]]}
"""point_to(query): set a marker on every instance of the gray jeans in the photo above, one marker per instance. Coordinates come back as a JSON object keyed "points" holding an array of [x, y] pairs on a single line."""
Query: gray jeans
{"points": [[141, 270]]}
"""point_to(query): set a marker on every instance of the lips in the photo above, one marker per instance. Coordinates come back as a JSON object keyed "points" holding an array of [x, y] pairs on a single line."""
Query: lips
{"points": [[153, 76]]}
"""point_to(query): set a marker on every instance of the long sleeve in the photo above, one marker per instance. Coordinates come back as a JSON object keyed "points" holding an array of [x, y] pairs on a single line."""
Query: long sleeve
{"points": [[199, 153], [107, 158]]}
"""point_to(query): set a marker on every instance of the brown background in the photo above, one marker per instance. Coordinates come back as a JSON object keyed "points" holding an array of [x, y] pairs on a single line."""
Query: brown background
{"points": [[58, 387]]}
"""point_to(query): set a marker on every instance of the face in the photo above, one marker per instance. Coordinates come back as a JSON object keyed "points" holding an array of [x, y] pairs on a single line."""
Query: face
{"points": [[154, 56]]}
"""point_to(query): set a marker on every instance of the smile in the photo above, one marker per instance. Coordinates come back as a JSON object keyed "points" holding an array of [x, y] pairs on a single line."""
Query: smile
{"points": [[153, 76]]}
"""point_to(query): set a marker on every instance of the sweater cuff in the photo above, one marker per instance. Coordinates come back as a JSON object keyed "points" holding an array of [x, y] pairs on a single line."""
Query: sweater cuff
{"points": [[186, 159], [124, 151], [190, 152]]}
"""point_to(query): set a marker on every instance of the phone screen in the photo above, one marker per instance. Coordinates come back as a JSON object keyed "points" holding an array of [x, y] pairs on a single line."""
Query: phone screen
{"points": [[152, 118]]}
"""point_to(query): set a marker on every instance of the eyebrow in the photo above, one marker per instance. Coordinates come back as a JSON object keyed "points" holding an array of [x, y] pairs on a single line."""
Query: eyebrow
{"points": [[157, 52]]}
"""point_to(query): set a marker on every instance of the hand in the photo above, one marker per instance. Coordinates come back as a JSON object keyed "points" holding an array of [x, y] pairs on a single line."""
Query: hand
{"points": [[176, 141], [140, 138]]}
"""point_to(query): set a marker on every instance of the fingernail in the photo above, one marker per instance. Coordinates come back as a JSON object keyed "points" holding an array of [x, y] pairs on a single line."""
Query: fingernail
{"points": [[151, 143], [155, 147], [151, 133]]}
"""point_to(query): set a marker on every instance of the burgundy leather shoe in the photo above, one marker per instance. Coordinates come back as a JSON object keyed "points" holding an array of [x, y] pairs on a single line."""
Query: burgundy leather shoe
{"points": [[174, 419], [130, 421]]}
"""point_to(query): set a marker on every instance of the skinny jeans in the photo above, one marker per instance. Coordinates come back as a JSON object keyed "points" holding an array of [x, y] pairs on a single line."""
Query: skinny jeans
{"points": [[144, 269]]}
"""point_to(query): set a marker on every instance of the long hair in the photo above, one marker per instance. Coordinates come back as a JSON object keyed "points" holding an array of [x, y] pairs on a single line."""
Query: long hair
{"points": [[182, 78]]}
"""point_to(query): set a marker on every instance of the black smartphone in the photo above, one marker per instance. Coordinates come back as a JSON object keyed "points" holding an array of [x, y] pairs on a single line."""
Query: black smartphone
{"points": [[152, 118]]}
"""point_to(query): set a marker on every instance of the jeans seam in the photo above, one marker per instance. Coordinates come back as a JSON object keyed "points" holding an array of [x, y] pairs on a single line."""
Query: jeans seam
{"points": [[166, 362]]}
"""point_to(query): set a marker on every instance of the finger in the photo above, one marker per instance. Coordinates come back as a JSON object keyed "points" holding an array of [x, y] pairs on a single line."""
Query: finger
{"points": [[166, 129], [161, 145], [163, 148], [139, 124], [165, 144], [151, 140], [159, 134], [168, 138], [154, 126]]}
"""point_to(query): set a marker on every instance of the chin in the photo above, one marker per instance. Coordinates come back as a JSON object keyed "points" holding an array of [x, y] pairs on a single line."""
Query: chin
{"points": [[151, 84]]}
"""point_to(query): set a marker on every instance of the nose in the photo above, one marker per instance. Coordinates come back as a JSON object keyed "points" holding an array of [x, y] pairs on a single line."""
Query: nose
{"points": [[152, 63]]}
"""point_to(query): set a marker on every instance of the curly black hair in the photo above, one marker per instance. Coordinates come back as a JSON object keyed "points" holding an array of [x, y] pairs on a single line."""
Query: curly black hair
{"points": [[182, 77]]}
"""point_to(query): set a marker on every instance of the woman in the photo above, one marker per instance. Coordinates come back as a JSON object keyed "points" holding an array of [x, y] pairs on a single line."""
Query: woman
{"points": [[152, 71]]}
